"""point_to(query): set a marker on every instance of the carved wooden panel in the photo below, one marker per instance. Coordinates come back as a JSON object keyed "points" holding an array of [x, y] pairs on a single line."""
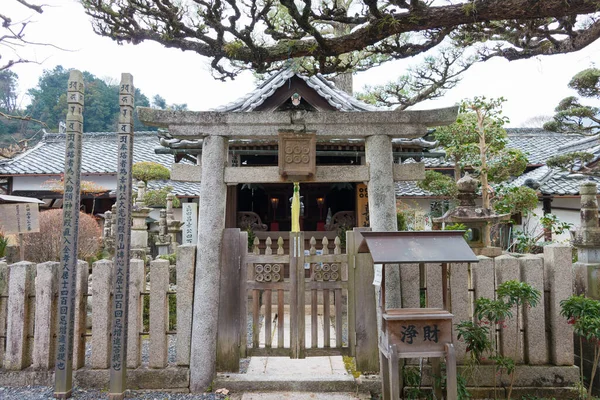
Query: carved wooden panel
{"points": [[297, 154]]}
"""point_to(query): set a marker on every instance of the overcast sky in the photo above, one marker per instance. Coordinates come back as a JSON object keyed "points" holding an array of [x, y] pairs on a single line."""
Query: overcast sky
{"points": [[532, 87]]}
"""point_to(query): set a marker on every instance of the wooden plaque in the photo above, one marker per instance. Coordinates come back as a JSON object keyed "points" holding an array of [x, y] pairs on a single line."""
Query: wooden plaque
{"points": [[415, 331], [297, 154]]}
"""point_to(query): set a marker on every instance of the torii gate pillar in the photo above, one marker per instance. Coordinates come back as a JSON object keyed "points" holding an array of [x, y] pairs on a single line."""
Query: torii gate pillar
{"points": [[211, 225], [382, 202]]}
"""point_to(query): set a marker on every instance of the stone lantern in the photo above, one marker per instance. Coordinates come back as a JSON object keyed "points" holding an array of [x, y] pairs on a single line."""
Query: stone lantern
{"points": [[474, 217]]}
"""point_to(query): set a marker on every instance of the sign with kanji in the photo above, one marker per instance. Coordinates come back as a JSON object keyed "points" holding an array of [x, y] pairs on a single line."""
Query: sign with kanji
{"points": [[190, 223], [362, 205], [19, 218], [297, 154], [419, 334]]}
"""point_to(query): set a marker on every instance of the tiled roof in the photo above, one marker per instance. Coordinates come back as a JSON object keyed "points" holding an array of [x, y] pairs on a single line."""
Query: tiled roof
{"points": [[538, 144], [553, 181], [410, 188], [337, 98], [99, 154], [180, 189]]}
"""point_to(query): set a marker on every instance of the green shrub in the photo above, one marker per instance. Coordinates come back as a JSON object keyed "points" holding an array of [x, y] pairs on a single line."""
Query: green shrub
{"points": [[171, 258], [3, 244], [150, 171], [401, 218], [158, 197]]}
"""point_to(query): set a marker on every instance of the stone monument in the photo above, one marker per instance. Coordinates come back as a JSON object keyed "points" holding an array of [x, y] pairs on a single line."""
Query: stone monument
{"points": [[473, 217], [586, 238], [120, 302], [139, 228], [63, 378], [163, 239]]}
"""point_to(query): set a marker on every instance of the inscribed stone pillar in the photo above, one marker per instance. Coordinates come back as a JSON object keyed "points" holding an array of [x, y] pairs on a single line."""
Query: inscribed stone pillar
{"points": [[46, 287], [120, 300], [208, 260], [382, 203], [68, 256]]}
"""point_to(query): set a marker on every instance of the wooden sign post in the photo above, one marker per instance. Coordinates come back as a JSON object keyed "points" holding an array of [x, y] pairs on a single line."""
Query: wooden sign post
{"points": [[415, 332]]}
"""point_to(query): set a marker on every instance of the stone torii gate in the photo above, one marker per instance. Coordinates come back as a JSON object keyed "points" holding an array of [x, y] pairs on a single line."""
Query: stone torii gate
{"points": [[216, 128]]}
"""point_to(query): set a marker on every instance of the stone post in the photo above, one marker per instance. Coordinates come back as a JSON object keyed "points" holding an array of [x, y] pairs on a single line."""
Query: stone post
{"points": [[382, 204], [139, 229], [3, 305], [159, 313], [83, 271], [558, 280], [101, 317], [186, 256], [46, 286], [163, 239], [137, 278], [120, 303], [587, 242], [63, 378], [20, 287], [108, 241], [211, 225]]}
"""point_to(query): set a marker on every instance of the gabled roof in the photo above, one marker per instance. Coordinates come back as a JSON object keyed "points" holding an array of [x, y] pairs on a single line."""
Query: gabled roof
{"points": [[99, 154], [337, 98]]}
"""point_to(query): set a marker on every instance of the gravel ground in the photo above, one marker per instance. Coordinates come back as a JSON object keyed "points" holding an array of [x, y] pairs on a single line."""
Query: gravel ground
{"points": [[45, 392]]}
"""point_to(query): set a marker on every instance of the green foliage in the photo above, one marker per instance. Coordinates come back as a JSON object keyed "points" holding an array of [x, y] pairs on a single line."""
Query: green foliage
{"points": [[8, 91], [476, 338], [513, 200], [583, 314], [101, 111], [506, 164], [586, 82], [524, 243], [494, 311], [150, 171], [572, 116], [172, 301], [251, 237], [568, 161], [3, 244], [401, 219], [517, 293], [459, 227], [158, 197], [480, 338], [553, 224], [438, 184], [171, 258], [350, 364]]}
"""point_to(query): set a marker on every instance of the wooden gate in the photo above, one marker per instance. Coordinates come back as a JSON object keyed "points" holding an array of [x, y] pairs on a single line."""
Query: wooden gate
{"points": [[297, 297]]}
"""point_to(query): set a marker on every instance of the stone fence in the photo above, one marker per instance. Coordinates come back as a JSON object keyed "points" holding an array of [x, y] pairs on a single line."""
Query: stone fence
{"points": [[28, 308]]}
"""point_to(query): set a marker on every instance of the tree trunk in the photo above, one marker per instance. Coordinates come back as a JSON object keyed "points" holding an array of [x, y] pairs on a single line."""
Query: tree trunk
{"points": [[483, 177], [457, 169]]}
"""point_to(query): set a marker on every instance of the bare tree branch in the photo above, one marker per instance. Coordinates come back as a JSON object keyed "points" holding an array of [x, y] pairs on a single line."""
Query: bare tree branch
{"points": [[261, 34]]}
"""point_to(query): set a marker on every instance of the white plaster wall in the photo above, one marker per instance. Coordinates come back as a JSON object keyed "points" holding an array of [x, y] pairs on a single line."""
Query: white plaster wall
{"points": [[37, 182], [569, 216]]}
